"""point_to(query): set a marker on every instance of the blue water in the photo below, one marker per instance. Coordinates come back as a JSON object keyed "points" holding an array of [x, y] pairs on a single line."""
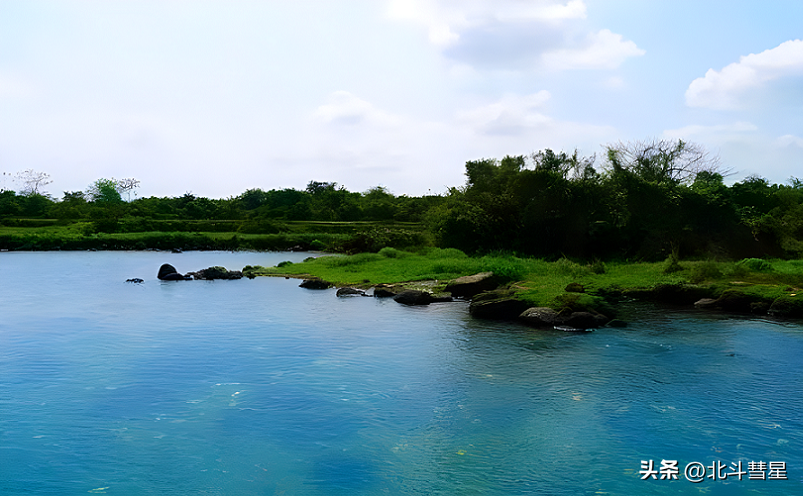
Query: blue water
{"points": [[258, 387]]}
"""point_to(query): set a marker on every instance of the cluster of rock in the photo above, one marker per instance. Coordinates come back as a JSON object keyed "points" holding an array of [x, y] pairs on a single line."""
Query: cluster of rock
{"points": [[215, 272], [487, 302], [169, 273], [738, 302]]}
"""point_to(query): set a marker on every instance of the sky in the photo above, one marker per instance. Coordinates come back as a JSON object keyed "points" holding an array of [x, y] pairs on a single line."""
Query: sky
{"points": [[217, 97]]}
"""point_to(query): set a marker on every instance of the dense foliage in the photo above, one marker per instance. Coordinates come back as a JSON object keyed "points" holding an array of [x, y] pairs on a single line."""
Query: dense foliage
{"points": [[645, 200]]}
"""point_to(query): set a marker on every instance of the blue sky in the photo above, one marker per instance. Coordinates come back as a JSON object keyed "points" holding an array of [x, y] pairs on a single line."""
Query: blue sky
{"points": [[215, 97]]}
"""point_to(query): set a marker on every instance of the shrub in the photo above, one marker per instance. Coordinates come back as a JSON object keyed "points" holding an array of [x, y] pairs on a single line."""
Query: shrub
{"points": [[284, 264], [671, 265], [704, 271], [755, 265], [566, 267], [317, 245], [392, 252]]}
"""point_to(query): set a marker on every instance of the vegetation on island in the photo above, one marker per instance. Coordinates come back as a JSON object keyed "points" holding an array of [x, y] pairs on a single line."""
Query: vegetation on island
{"points": [[653, 214]]}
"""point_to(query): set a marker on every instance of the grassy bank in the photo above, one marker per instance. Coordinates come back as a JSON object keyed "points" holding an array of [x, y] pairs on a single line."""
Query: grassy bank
{"points": [[51, 234], [542, 283]]}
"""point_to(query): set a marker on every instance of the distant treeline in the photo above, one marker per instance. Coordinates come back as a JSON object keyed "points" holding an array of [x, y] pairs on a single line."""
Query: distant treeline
{"points": [[646, 200]]}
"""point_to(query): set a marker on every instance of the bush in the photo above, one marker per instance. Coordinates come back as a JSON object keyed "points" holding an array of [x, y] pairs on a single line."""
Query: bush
{"points": [[566, 267], [446, 253], [317, 245], [755, 265], [392, 252], [704, 271], [597, 267]]}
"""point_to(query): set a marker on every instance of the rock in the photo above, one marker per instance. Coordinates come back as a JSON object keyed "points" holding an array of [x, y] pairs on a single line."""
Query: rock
{"points": [[413, 297], [387, 290], [586, 320], [215, 272], [735, 301], [442, 298], [135, 280], [468, 286], [497, 305], [706, 303], [541, 317], [574, 287], [350, 292], [169, 273], [315, 284], [166, 269], [787, 306], [617, 323]]}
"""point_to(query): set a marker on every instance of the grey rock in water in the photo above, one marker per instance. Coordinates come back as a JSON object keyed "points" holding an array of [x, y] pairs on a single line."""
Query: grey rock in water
{"points": [[541, 317], [169, 273], [468, 286], [315, 284], [413, 297], [215, 272], [350, 292], [387, 290], [135, 280], [496, 305]]}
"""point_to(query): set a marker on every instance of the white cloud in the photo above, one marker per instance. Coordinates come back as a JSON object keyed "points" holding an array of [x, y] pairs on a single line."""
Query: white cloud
{"points": [[346, 109], [602, 50], [726, 89], [789, 140], [516, 35], [698, 132], [445, 19], [511, 115]]}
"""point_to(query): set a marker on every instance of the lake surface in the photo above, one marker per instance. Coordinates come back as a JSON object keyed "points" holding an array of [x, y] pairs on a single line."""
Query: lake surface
{"points": [[259, 387]]}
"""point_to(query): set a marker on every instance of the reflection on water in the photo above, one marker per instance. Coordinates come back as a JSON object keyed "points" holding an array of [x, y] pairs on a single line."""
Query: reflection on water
{"points": [[260, 387]]}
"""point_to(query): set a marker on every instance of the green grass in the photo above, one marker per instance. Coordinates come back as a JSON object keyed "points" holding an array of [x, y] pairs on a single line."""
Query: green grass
{"points": [[542, 283]]}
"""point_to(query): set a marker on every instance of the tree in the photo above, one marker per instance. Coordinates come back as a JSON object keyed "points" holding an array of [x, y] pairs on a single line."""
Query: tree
{"points": [[33, 181], [662, 161], [104, 191], [126, 186]]}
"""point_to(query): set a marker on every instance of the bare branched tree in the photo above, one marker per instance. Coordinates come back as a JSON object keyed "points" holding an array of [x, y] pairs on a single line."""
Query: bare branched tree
{"points": [[663, 161], [32, 182], [126, 186]]}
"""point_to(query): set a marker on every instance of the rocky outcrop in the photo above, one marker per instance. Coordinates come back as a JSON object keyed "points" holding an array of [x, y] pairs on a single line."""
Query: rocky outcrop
{"points": [[315, 284], [387, 290], [787, 306], [350, 292], [733, 301], [215, 272], [496, 305], [547, 317], [413, 297], [169, 273], [586, 320], [469, 286], [541, 317]]}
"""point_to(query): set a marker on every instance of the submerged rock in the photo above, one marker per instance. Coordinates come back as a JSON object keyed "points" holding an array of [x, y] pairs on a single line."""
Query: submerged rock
{"points": [[135, 280], [468, 286], [315, 284], [350, 292], [413, 297], [215, 272], [169, 273], [547, 317], [541, 317], [387, 290], [497, 305]]}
